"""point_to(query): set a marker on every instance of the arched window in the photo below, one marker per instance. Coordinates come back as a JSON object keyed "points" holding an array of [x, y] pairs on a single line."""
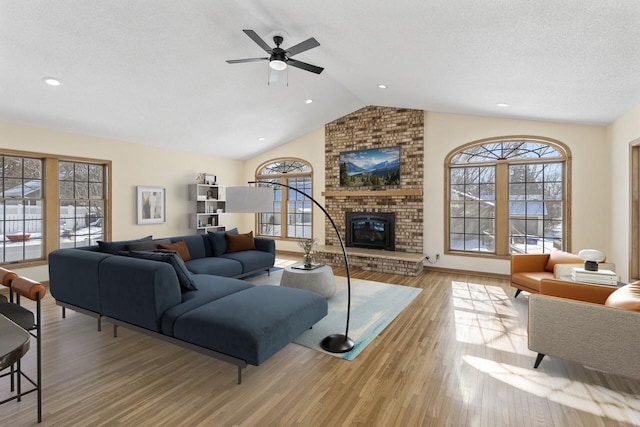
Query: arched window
{"points": [[291, 217], [508, 195]]}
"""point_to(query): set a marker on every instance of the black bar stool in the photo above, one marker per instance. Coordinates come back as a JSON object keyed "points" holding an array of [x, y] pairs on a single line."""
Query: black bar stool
{"points": [[21, 286]]}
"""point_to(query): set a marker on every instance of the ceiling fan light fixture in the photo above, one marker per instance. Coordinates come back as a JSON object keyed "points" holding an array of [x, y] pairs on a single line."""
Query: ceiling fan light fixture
{"points": [[277, 65]]}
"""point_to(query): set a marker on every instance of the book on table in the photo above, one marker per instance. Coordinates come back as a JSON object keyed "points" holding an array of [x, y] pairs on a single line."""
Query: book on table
{"points": [[599, 277]]}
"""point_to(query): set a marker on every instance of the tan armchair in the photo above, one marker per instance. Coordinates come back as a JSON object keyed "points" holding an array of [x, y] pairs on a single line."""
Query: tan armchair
{"points": [[594, 325], [528, 270]]}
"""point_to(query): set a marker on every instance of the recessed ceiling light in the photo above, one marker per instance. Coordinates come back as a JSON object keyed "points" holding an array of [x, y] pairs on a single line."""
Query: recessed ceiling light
{"points": [[381, 86], [262, 138], [52, 81], [308, 101], [502, 104]]}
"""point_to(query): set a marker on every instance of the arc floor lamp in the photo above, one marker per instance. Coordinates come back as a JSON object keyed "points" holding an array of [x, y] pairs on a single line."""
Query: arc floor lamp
{"points": [[259, 198]]}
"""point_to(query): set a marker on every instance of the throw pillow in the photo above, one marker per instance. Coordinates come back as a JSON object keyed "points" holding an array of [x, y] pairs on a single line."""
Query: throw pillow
{"points": [[180, 247], [219, 241], [240, 242], [147, 245], [560, 257], [115, 247], [626, 298], [184, 275]]}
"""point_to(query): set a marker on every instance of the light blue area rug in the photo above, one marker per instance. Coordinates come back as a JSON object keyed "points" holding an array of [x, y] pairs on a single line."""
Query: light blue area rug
{"points": [[374, 305]]}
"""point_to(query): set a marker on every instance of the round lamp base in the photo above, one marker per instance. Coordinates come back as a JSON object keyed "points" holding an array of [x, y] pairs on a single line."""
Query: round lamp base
{"points": [[337, 343]]}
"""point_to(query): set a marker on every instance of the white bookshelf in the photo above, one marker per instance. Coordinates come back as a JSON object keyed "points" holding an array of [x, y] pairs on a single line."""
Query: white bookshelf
{"points": [[209, 207]]}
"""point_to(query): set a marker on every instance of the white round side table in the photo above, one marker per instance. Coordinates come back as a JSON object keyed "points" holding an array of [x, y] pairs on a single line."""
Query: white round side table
{"points": [[319, 280]]}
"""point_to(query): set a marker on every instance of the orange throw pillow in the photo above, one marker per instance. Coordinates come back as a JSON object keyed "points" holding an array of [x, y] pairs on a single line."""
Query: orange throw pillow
{"points": [[180, 247], [240, 242], [626, 297]]}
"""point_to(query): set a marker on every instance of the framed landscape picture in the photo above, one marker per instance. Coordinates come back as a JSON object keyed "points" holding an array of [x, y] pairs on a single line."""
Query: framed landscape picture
{"points": [[151, 205], [374, 167]]}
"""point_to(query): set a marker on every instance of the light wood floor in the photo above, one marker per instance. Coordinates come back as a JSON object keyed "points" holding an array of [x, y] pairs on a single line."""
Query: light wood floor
{"points": [[457, 356]]}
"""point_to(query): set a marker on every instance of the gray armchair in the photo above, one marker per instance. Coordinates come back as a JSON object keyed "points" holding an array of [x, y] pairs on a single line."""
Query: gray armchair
{"points": [[589, 333]]}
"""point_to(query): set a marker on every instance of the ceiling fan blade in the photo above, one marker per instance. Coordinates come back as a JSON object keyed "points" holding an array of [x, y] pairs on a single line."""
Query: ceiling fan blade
{"points": [[238, 61], [256, 38], [304, 66], [301, 47]]}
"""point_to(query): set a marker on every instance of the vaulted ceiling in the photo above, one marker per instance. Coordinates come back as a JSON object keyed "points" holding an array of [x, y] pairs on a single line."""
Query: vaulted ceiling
{"points": [[154, 71]]}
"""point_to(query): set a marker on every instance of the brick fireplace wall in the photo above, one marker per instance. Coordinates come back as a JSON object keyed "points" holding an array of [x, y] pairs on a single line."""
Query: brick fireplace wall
{"points": [[377, 127]]}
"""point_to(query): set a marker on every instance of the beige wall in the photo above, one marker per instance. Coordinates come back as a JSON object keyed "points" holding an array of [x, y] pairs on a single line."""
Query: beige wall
{"points": [[132, 165], [309, 148], [620, 135], [600, 163], [591, 171]]}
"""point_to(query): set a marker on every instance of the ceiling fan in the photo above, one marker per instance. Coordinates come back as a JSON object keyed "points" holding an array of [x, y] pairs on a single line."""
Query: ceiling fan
{"points": [[279, 58]]}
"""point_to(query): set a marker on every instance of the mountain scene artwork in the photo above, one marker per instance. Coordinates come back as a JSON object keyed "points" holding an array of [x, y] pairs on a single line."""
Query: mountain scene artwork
{"points": [[373, 167]]}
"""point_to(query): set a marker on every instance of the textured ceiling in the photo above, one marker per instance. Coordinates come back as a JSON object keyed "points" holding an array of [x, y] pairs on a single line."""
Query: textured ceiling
{"points": [[154, 71]]}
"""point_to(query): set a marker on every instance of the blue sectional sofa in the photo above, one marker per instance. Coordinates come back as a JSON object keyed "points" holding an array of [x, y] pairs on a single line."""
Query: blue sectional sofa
{"points": [[220, 315]]}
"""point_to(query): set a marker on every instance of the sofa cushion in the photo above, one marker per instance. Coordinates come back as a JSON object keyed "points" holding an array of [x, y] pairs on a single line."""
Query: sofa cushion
{"points": [[195, 243], [119, 246], [183, 273], [626, 297], [137, 291], [218, 240], [560, 257], [530, 280], [147, 245], [215, 266], [180, 247], [73, 277], [210, 288], [252, 260], [240, 242], [253, 324]]}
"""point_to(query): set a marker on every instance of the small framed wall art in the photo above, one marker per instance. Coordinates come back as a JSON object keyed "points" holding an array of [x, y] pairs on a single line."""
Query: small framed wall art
{"points": [[210, 179], [151, 205]]}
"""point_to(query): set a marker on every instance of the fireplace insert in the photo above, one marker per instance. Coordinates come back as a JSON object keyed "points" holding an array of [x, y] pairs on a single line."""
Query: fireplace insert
{"points": [[372, 230]]}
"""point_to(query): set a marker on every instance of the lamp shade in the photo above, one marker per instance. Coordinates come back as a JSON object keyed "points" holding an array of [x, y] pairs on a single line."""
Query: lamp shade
{"points": [[249, 199], [591, 258], [592, 255]]}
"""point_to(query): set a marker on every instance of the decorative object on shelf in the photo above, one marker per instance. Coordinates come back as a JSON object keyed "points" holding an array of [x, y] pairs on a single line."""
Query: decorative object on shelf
{"points": [[209, 203], [210, 179], [308, 246], [256, 199], [591, 258], [200, 178], [151, 205]]}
